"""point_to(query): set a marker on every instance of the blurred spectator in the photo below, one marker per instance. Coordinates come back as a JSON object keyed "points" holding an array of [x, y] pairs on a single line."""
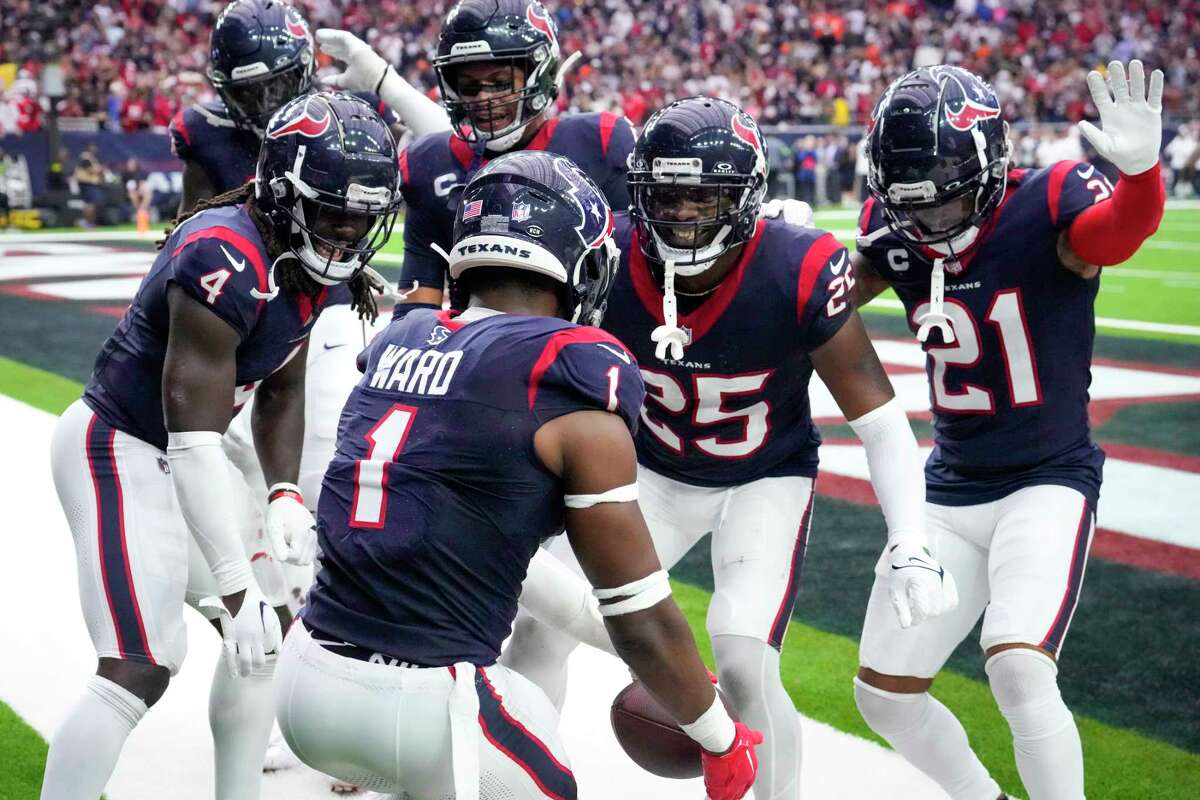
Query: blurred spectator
{"points": [[91, 177], [1182, 157], [807, 61]]}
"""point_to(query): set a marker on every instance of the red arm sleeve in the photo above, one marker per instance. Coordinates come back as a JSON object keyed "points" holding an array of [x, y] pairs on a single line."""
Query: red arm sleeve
{"points": [[1112, 231]]}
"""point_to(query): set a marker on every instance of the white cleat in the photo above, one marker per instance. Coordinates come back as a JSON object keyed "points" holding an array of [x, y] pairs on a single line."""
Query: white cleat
{"points": [[279, 756]]}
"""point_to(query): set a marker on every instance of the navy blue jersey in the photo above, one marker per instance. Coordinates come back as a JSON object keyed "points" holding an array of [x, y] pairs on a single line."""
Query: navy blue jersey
{"points": [[218, 258], [435, 500], [204, 134], [1010, 395], [735, 408], [437, 166]]}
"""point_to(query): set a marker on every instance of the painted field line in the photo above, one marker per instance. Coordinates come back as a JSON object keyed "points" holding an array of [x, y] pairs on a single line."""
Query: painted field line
{"points": [[1101, 322], [82, 236], [1168, 244]]}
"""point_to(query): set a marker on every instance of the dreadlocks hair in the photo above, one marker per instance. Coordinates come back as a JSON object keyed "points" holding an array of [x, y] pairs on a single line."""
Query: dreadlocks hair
{"points": [[292, 277]]}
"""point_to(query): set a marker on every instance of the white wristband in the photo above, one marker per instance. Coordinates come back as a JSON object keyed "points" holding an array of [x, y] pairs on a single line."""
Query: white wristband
{"points": [[713, 730]]}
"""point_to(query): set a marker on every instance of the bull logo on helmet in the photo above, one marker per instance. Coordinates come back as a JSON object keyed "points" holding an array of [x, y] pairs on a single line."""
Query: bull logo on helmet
{"points": [[536, 16], [305, 125], [962, 112], [297, 29], [745, 129]]}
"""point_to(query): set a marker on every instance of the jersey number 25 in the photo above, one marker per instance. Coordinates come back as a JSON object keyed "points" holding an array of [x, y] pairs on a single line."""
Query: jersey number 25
{"points": [[709, 393]]}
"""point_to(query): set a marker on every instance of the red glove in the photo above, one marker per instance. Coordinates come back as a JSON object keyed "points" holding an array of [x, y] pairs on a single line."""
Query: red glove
{"points": [[730, 776]]}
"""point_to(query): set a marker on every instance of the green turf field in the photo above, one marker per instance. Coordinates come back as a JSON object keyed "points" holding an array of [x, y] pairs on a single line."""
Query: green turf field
{"points": [[1131, 676]]}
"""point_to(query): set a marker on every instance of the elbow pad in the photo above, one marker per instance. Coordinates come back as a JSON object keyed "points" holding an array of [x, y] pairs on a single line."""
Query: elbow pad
{"points": [[200, 473], [897, 474]]}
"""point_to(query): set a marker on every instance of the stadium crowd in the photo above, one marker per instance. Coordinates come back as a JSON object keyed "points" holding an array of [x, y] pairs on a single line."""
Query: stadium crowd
{"points": [[131, 63]]}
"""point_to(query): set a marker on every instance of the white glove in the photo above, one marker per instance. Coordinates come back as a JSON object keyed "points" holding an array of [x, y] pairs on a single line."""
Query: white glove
{"points": [[365, 69], [794, 212], [920, 588], [1132, 120], [250, 635], [291, 529]]}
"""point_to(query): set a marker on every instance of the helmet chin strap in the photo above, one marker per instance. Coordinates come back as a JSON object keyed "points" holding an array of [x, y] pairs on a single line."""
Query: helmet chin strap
{"points": [[669, 336]]}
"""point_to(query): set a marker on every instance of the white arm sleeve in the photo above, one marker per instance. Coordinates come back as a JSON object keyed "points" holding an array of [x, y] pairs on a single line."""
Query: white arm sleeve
{"points": [[418, 113], [200, 473], [897, 474], [556, 596]]}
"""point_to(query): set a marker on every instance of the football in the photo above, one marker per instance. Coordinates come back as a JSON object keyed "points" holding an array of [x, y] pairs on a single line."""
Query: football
{"points": [[651, 737]]}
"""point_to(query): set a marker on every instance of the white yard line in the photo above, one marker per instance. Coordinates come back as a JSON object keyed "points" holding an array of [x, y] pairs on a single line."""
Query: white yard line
{"points": [[48, 658], [1101, 322], [1141, 500]]}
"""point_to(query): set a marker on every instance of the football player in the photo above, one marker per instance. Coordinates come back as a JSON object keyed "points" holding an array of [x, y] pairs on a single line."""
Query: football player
{"points": [[500, 69], [729, 315], [471, 438], [260, 57], [998, 272], [137, 462]]}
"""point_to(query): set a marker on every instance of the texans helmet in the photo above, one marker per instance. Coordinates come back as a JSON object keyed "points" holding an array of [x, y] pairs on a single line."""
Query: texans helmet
{"points": [[539, 212], [329, 181], [514, 33], [938, 155], [260, 56], [701, 152]]}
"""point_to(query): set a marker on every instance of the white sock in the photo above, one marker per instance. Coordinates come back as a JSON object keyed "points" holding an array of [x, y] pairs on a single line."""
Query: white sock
{"points": [[932, 739], [1045, 740], [749, 672], [86, 746], [539, 653], [240, 714]]}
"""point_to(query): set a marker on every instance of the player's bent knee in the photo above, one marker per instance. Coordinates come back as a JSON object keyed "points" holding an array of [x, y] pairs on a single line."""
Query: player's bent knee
{"points": [[147, 682], [1024, 682], [889, 713]]}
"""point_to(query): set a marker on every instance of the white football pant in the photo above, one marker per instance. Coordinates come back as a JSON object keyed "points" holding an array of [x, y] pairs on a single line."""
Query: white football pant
{"points": [[1018, 561], [405, 730]]}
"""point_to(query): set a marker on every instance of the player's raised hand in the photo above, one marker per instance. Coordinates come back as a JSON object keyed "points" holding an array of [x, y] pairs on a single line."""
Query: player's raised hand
{"points": [[365, 69], [291, 529], [919, 587], [249, 634], [1130, 117], [730, 775], [794, 212]]}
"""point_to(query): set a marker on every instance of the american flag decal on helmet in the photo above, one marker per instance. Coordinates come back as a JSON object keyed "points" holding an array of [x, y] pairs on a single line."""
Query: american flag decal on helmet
{"points": [[472, 209]]}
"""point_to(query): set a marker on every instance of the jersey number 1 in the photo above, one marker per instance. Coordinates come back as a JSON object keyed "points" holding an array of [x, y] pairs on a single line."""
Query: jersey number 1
{"points": [[385, 441]]}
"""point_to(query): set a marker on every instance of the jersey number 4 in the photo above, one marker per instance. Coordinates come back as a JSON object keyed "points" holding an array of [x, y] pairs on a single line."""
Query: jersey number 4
{"points": [[384, 443], [708, 396], [1007, 314]]}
